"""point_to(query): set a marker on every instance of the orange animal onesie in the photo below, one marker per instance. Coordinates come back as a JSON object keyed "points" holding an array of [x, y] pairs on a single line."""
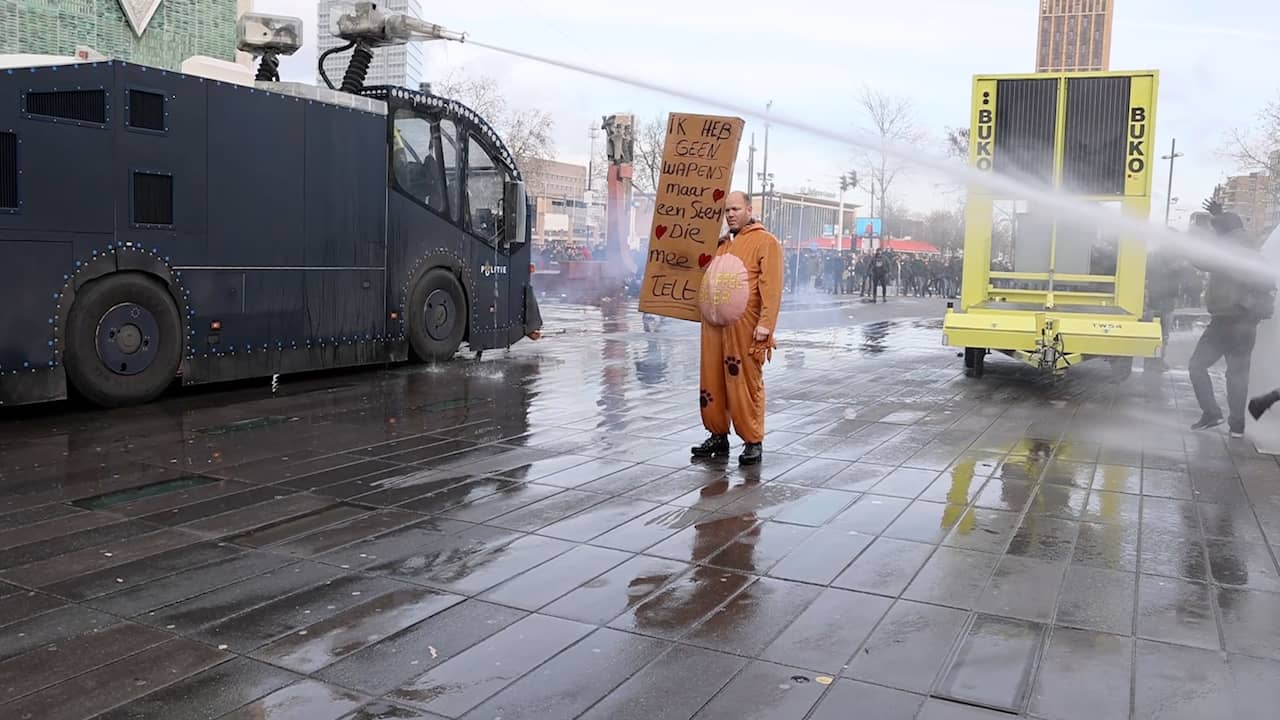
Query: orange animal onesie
{"points": [[732, 360]]}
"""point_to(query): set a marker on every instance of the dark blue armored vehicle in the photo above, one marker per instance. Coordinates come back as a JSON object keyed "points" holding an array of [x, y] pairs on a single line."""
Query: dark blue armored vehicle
{"points": [[158, 225]]}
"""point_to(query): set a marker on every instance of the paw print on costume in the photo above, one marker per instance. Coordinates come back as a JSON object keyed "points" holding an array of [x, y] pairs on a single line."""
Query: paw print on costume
{"points": [[734, 365], [704, 399]]}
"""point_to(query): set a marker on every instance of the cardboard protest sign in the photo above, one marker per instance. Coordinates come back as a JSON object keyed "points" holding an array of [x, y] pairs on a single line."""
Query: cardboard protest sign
{"points": [[697, 169]]}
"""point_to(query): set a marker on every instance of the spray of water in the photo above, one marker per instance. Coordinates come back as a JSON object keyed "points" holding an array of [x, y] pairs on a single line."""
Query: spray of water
{"points": [[1202, 249]]}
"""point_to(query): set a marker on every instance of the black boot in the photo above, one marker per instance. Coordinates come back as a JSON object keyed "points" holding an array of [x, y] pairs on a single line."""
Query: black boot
{"points": [[714, 446], [1263, 403], [752, 453]]}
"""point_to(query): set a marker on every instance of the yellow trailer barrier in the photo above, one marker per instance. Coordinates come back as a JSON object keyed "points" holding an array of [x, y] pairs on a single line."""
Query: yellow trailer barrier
{"points": [[1048, 290]]}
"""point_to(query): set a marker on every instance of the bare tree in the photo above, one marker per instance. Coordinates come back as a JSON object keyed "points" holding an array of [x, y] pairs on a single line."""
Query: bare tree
{"points": [[1258, 148], [892, 120], [945, 229], [527, 132], [650, 136], [958, 143]]}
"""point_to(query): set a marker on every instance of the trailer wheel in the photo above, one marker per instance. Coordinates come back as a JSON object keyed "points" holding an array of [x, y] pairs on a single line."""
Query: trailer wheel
{"points": [[437, 316], [974, 361], [1121, 368], [123, 341]]}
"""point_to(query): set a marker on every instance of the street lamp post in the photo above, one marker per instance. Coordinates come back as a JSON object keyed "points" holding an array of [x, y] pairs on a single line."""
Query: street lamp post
{"points": [[1168, 197]]}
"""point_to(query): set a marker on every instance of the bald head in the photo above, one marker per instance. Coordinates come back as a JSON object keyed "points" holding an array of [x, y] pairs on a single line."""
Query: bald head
{"points": [[737, 210]]}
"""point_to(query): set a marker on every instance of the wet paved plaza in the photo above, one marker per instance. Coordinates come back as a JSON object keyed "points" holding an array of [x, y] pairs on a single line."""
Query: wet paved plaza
{"points": [[526, 537]]}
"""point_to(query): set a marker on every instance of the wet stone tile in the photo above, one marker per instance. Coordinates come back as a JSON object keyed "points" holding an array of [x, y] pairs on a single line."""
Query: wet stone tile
{"points": [[512, 497], [556, 577], [1000, 494], [348, 531], [623, 481], [813, 473], [1176, 611], [1078, 659], [983, 530], [474, 570], [140, 572], [1113, 508], [18, 605], [73, 542], [750, 620], [262, 624], [762, 691], [870, 514], [682, 604], [704, 539], [606, 596], [464, 681], [955, 488], [574, 680], [1244, 565], [1023, 588], [1254, 684], [544, 512], [993, 665], [909, 647], [327, 641], [650, 528], [672, 687], [825, 636], [885, 568], [952, 577], [1181, 683], [460, 495], [209, 694], [310, 699], [50, 627], [51, 664], [874, 701], [1118, 478], [761, 547], [211, 607], [385, 665], [579, 475], [938, 709], [856, 477], [597, 519], [1044, 538], [87, 694], [1114, 547], [1168, 552], [1097, 599], [926, 522], [1229, 522], [905, 482], [1249, 622], [1070, 503], [187, 584], [822, 556]]}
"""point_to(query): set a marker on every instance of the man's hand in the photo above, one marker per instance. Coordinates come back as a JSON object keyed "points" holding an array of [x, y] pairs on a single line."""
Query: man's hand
{"points": [[762, 334]]}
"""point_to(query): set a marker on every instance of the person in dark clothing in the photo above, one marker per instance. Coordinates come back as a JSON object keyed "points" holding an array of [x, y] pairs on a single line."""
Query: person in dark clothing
{"points": [[879, 275], [1236, 304], [1261, 404], [1165, 273]]}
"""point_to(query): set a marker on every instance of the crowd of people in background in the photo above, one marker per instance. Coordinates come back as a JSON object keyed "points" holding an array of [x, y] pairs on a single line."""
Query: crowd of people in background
{"points": [[863, 273]]}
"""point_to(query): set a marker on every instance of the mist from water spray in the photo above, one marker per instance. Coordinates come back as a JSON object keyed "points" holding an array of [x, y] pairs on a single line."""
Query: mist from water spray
{"points": [[1201, 248]]}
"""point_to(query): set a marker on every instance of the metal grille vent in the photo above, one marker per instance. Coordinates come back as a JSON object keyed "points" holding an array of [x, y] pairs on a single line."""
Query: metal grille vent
{"points": [[1096, 132], [1026, 113], [152, 199], [80, 105], [146, 110], [8, 171]]}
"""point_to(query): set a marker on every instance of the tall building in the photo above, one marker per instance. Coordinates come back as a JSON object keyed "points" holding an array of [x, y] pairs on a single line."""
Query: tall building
{"points": [[400, 65], [177, 30], [1256, 199], [1075, 35]]}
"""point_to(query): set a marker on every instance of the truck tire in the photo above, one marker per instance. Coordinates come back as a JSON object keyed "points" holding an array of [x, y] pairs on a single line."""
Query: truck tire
{"points": [[437, 316], [1121, 368], [974, 362], [123, 340]]}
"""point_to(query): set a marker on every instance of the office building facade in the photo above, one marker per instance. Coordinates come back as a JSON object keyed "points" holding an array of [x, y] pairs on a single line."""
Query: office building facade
{"points": [[171, 30], [399, 65], [1074, 35]]}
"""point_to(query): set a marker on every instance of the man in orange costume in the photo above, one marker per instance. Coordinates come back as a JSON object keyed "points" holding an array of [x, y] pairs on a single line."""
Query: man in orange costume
{"points": [[733, 356]]}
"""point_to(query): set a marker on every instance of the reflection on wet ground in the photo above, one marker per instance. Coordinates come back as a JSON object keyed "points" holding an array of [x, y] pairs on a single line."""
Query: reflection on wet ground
{"points": [[524, 537]]}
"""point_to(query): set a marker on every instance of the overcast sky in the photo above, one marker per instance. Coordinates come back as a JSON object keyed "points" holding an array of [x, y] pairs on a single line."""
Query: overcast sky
{"points": [[1219, 64]]}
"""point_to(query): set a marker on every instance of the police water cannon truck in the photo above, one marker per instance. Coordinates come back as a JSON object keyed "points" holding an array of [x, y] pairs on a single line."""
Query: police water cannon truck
{"points": [[216, 224]]}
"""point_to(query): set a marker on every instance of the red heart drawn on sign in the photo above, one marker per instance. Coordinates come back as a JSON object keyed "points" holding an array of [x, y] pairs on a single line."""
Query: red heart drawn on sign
{"points": [[704, 260], [717, 194], [660, 231]]}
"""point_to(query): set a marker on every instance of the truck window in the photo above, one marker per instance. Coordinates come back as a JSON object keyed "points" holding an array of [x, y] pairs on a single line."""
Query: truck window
{"points": [[485, 179], [452, 152], [416, 161]]}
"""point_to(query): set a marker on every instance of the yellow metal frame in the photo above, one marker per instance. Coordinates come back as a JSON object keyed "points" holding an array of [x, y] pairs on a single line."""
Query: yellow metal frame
{"points": [[1046, 333]]}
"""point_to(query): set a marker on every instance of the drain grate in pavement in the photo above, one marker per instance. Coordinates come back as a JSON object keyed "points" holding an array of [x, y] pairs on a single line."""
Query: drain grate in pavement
{"points": [[994, 665], [120, 497]]}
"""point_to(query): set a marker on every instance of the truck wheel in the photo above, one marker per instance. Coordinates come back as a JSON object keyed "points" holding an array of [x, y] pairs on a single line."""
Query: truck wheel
{"points": [[123, 340], [1121, 368], [437, 316], [974, 361]]}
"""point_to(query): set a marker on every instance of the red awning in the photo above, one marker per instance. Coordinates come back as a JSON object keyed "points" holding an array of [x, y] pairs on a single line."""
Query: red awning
{"points": [[896, 244], [912, 246]]}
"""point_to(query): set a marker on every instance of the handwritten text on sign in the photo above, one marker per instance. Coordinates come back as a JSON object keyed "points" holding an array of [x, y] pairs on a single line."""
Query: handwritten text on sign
{"points": [[697, 168]]}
